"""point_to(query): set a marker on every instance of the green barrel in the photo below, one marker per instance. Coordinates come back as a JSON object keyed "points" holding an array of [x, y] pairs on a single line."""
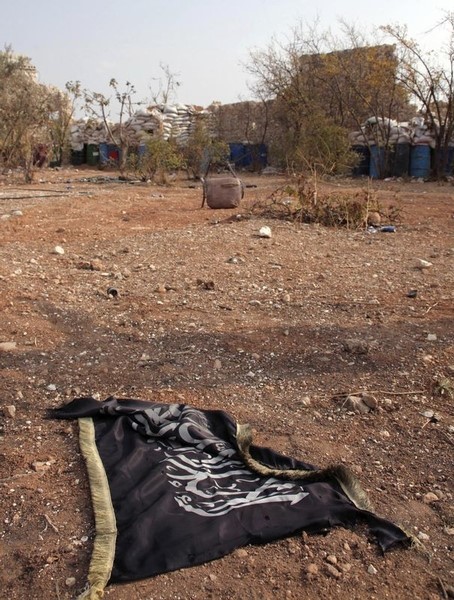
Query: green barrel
{"points": [[92, 155]]}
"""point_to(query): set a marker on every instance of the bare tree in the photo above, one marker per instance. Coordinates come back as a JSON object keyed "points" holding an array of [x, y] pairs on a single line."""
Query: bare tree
{"points": [[428, 76], [168, 84], [100, 107]]}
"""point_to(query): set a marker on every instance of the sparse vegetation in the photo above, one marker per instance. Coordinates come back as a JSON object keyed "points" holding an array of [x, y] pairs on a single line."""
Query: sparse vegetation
{"points": [[302, 200], [159, 160]]}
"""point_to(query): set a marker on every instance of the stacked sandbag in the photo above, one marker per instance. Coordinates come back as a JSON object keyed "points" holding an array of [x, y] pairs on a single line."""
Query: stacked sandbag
{"points": [[378, 130], [165, 121], [87, 132], [422, 134], [358, 138], [400, 133], [178, 121]]}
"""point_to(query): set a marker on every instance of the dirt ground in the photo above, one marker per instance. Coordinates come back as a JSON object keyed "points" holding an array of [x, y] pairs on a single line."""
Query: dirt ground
{"points": [[110, 288]]}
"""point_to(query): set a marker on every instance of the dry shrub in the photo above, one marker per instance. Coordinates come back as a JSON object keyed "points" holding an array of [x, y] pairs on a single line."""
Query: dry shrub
{"points": [[303, 201]]}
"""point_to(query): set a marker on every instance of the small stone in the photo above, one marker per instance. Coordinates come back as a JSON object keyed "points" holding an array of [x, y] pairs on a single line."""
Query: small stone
{"points": [[333, 571], [356, 404], [384, 433], [428, 414], [369, 401], [241, 553], [432, 337], [423, 264], [7, 346], [430, 497], [59, 250], [346, 567], [217, 365], [10, 411], [40, 466], [286, 298], [449, 530], [311, 570], [265, 232], [331, 559], [96, 265], [161, 288], [372, 570], [213, 577], [356, 346], [70, 581], [51, 387], [423, 536], [250, 374]]}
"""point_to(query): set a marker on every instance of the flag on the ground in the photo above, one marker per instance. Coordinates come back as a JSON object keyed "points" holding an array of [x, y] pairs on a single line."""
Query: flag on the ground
{"points": [[174, 486]]}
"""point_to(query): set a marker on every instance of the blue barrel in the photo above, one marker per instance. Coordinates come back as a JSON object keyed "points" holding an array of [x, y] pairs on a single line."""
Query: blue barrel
{"points": [[401, 160], [362, 167], [142, 149], [103, 154], [420, 161], [449, 167], [262, 152], [445, 159], [377, 162], [237, 152], [248, 156]]}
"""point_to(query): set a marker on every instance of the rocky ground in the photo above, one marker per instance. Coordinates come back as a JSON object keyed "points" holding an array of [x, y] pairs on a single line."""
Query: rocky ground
{"points": [[111, 288]]}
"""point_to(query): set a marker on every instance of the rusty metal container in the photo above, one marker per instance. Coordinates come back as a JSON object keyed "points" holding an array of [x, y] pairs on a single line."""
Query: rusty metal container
{"points": [[222, 192]]}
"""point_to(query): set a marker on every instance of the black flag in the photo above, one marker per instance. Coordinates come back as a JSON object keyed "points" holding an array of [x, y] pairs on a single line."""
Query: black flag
{"points": [[174, 486]]}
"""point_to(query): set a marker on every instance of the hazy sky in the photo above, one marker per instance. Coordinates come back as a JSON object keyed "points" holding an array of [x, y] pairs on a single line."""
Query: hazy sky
{"points": [[205, 42]]}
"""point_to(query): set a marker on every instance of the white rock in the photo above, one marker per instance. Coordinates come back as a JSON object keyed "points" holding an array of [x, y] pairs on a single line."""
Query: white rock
{"points": [[10, 411], [372, 570], [423, 264], [432, 337], [265, 232], [59, 250]]}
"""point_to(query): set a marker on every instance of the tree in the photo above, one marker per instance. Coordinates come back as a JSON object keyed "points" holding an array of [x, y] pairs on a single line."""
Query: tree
{"points": [[202, 150], [99, 106], [64, 106], [26, 109], [428, 76], [160, 158], [167, 86], [321, 86]]}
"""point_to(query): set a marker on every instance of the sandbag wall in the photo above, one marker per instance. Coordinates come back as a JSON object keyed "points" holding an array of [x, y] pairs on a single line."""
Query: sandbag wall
{"points": [[90, 142], [390, 149]]}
